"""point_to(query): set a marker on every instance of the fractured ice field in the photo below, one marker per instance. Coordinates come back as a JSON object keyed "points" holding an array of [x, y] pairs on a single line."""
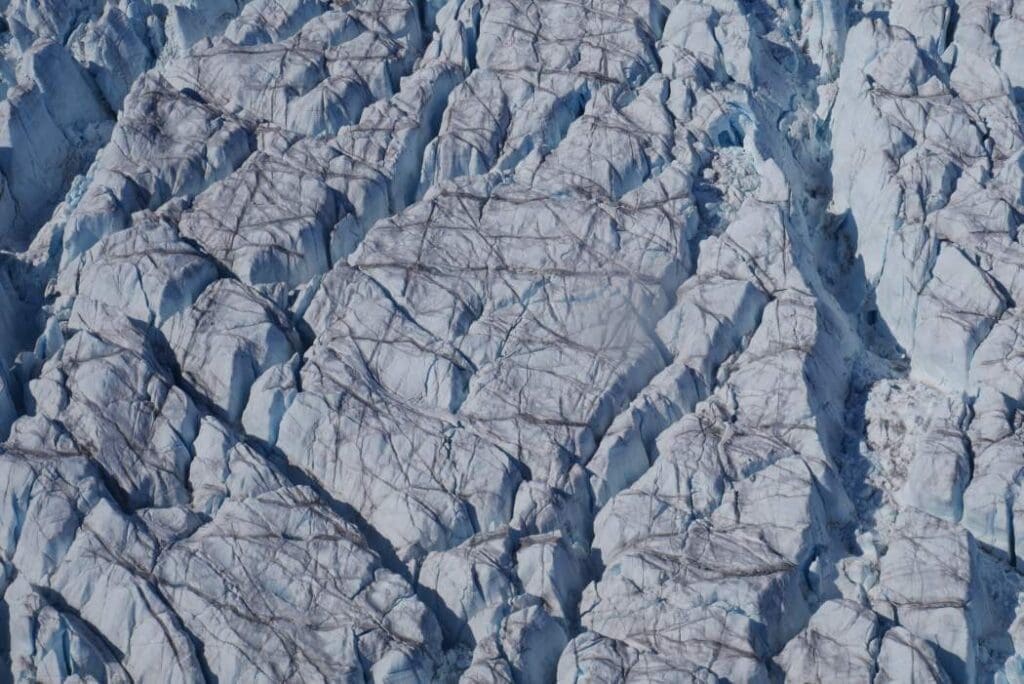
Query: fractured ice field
{"points": [[516, 341]]}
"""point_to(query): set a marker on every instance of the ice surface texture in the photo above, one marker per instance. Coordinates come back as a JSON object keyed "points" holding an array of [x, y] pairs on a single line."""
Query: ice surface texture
{"points": [[511, 340]]}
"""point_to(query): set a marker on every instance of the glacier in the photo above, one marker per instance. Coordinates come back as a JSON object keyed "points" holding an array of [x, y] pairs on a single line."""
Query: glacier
{"points": [[511, 341]]}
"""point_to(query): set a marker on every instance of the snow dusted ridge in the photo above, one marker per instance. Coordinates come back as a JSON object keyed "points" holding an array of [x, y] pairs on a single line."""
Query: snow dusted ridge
{"points": [[511, 340]]}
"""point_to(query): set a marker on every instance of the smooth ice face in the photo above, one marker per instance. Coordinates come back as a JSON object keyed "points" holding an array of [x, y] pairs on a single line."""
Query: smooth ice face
{"points": [[495, 340]]}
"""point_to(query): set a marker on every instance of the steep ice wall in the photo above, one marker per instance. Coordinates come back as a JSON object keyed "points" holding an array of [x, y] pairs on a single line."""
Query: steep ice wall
{"points": [[511, 340]]}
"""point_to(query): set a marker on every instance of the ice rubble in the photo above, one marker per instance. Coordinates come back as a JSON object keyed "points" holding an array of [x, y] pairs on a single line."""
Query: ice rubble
{"points": [[495, 340]]}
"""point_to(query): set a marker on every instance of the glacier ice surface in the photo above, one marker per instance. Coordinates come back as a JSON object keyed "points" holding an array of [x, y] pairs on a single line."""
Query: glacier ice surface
{"points": [[511, 341]]}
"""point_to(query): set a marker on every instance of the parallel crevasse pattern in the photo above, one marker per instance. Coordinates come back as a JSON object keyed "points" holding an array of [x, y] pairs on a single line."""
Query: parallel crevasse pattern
{"points": [[511, 340]]}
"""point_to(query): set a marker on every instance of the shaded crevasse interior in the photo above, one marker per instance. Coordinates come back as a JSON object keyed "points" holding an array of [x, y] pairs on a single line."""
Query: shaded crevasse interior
{"points": [[508, 340]]}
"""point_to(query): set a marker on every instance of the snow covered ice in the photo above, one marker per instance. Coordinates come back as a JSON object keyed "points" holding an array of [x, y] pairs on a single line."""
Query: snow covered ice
{"points": [[511, 341]]}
